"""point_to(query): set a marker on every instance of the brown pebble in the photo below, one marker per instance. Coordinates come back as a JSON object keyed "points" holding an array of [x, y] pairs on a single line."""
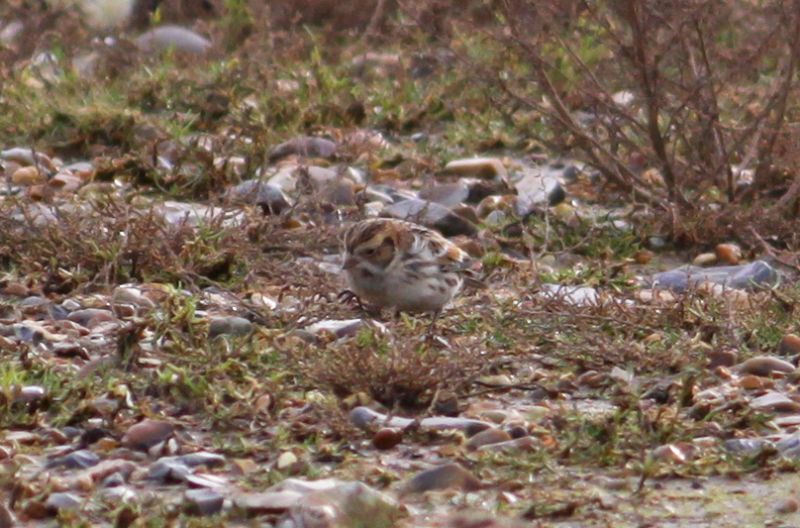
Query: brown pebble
{"points": [[387, 438], [722, 358], [765, 366], [488, 437], [442, 477], [789, 345], [787, 506], [643, 256], [751, 382], [147, 433], [15, 289], [728, 253], [28, 176]]}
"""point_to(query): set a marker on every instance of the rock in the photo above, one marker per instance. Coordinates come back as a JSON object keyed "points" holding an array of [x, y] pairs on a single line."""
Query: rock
{"points": [[91, 317], [574, 295], [745, 276], [348, 504], [364, 417], [202, 501], [8, 34], [266, 502], [269, 197], [80, 459], [523, 443], [29, 394], [722, 358], [305, 146], [167, 470], [7, 519], [751, 382], [147, 433], [195, 214], [670, 453], [775, 402], [448, 194], [343, 328], [728, 253], [233, 325], [168, 37], [65, 182], [487, 168], [432, 214], [747, 446], [387, 438], [60, 501], [789, 345], [765, 366], [492, 204], [131, 295], [487, 437], [28, 156], [286, 460], [704, 259], [537, 187], [787, 506], [442, 477], [28, 176]]}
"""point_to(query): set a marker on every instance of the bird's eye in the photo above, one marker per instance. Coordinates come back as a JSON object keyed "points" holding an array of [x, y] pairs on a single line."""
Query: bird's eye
{"points": [[369, 252]]}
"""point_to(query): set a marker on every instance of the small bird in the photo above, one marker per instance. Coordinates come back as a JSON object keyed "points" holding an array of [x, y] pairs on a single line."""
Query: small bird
{"points": [[396, 264]]}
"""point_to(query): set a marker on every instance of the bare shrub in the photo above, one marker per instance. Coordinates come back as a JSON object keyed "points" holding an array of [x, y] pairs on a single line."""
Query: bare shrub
{"points": [[679, 104]]}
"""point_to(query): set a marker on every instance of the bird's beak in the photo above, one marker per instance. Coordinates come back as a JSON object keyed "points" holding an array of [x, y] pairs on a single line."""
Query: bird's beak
{"points": [[349, 263]]}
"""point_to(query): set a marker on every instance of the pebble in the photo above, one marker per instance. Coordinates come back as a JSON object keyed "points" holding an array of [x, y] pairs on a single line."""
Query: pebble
{"points": [[432, 214], [448, 194], [536, 188], [765, 366], [62, 501], [722, 358], [523, 443], [775, 402], [728, 253], [28, 176], [743, 276], [269, 197], [147, 433], [131, 295], [487, 437], [233, 325], [91, 317], [266, 502], [167, 37], [364, 417], [487, 168], [286, 460], [81, 459], [442, 477], [306, 146], [387, 438], [203, 501], [789, 345], [787, 506], [704, 259]]}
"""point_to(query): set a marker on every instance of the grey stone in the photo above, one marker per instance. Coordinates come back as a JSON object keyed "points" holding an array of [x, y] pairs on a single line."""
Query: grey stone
{"points": [[433, 215], [80, 459], [203, 501], [168, 37], [233, 325], [744, 276], [307, 146], [266, 195], [537, 187]]}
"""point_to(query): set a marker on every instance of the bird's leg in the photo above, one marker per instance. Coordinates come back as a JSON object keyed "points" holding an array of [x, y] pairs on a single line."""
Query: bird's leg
{"points": [[432, 326], [347, 296]]}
